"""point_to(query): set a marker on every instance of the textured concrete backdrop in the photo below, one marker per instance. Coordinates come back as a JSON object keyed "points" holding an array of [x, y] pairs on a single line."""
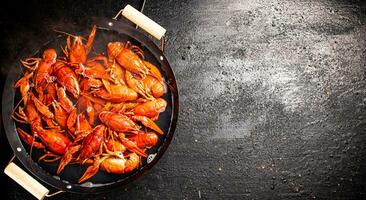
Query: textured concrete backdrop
{"points": [[272, 97]]}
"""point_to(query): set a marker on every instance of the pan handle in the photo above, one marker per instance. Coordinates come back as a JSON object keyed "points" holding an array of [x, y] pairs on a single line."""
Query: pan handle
{"points": [[144, 22], [26, 181]]}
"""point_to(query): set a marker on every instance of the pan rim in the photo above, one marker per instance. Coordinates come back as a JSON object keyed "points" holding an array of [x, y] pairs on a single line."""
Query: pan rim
{"points": [[43, 176]]}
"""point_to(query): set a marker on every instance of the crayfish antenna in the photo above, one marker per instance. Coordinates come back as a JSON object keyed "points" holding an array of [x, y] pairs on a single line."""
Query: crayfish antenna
{"points": [[68, 34]]}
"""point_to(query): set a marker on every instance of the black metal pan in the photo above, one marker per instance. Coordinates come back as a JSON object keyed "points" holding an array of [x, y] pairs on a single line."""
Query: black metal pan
{"points": [[107, 30]]}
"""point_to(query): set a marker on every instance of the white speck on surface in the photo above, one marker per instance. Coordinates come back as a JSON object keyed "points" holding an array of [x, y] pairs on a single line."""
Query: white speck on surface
{"points": [[89, 109], [110, 23], [199, 194], [19, 149]]}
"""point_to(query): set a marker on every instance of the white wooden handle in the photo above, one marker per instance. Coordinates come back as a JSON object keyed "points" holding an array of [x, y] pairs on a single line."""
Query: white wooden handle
{"points": [[26, 181], [144, 22]]}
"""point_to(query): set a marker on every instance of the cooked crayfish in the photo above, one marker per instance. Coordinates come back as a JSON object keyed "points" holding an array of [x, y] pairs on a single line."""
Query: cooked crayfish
{"points": [[53, 139], [78, 52], [66, 77], [117, 93], [128, 56], [151, 108], [110, 164]]}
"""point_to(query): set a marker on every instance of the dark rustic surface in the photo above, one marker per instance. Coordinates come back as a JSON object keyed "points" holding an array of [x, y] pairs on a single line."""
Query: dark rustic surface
{"points": [[272, 96]]}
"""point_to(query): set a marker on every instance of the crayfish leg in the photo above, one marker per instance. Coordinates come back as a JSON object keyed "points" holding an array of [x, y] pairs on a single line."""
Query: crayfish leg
{"points": [[30, 140], [137, 50], [49, 157], [156, 117], [31, 63], [20, 116]]}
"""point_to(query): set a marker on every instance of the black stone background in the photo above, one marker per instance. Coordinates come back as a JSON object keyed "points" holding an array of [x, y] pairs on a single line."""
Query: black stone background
{"points": [[272, 95]]}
